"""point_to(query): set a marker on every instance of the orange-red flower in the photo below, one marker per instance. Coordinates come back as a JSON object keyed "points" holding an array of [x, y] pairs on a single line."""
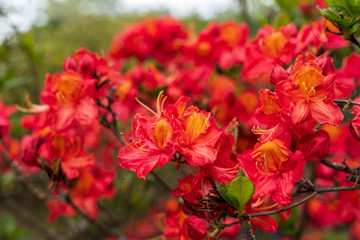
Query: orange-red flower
{"points": [[153, 145], [308, 90], [273, 169]]}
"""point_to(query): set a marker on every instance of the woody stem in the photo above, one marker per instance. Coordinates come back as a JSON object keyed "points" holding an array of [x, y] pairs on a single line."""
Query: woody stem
{"points": [[105, 229], [345, 101], [317, 190]]}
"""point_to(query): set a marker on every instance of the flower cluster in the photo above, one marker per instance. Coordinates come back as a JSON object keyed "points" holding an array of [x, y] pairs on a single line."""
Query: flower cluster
{"points": [[64, 128], [215, 118]]}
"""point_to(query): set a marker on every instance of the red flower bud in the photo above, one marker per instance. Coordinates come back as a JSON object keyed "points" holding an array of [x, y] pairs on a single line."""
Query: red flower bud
{"points": [[196, 228]]}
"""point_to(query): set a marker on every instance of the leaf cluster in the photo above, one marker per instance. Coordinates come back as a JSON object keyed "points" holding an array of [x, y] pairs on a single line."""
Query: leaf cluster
{"points": [[345, 15]]}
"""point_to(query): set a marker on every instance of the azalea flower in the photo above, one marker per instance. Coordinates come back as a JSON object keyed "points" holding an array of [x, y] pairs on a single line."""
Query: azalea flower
{"points": [[307, 90], [273, 169]]}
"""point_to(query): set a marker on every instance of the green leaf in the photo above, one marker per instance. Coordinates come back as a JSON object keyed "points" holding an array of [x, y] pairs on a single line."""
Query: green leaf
{"points": [[354, 28], [357, 6], [237, 193], [334, 18], [353, 6]]}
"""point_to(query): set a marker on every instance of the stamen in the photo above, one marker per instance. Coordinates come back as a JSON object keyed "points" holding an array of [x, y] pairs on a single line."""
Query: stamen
{"points": [[268, 207], [142, 104], [313, 92], [257, 130], [262, 166], [32, 108], [257, 167], [319, 100], [193, 170], [258, 202], [160, 101], [198, 124], [138, 149]]}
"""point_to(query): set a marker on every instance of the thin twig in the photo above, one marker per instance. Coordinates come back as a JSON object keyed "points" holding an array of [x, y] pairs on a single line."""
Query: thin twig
{"points": [[354, 40], [345, 101], [244, 12], [341, 167], [108, 231], [161, 181], [113, 127], [285, 208], [30, 220], [317, 190]]}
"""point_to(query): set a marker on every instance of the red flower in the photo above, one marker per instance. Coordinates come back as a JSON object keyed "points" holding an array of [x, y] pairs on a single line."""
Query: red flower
{"points": [[273, 169], [71, 99], [5, 112], [152, 146], [58, 208], [218, 42], [354, 125], [308, 91], [195, 227], [90, 186], [315, 146], [198, 136], [270, 47], [83, 62], [70, 151], [191, 132], [160, 38]]}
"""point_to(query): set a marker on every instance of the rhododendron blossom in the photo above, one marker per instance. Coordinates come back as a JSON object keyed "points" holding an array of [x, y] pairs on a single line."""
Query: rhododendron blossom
{"points": [[249, 126], [308, 90], [273, 168]]}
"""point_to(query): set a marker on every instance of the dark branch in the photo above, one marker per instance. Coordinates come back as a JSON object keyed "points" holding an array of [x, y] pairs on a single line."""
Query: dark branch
{"points": [[346, 101], [108, 231], [317, 190], [341, 167], [161, 181], [354, 40], [113, 126]]}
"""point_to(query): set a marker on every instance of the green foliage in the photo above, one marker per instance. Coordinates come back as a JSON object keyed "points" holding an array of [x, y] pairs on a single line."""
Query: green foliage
{"points": [[237, 193], [345, 15], [9, 229], [353, 6]]}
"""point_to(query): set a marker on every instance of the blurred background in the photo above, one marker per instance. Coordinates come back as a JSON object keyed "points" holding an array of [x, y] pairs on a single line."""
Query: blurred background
{"points": [[37, 35]]}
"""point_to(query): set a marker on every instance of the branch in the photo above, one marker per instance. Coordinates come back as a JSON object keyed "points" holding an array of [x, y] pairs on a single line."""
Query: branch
{"points": [[161, 181], [108, 231], [317, 190], [345, 101], [113, 124], [113, 127], [29, 220], [244, 11], [354, 40], [341, 167], [285, 208]]}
